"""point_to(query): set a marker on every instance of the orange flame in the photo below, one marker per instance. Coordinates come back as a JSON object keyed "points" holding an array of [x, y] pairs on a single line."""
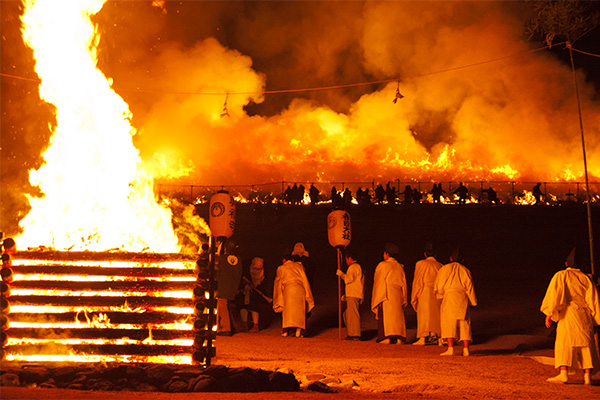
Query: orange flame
{"points": [[96, 195]]}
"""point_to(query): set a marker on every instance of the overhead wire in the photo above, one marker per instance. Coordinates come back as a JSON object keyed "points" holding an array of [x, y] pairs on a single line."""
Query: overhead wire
{"points": [[320, 88], [586, 53]]}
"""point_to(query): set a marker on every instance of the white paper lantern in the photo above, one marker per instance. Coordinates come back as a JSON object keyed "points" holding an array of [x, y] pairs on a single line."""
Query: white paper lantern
{"points": [[338, 228], [222, 214]]}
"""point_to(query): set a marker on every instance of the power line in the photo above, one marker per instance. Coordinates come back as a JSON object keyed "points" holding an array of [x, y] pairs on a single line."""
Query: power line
{"points": [[312, 89], [320, 88], [586, 53]]}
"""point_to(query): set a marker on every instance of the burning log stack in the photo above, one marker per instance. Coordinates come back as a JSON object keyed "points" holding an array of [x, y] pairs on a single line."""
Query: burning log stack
{"points": [[100, 307], [7, 248], [205, 310]]}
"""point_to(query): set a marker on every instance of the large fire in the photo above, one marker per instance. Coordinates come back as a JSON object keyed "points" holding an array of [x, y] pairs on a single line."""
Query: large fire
{"points": [[96, 195], [462, 117]]}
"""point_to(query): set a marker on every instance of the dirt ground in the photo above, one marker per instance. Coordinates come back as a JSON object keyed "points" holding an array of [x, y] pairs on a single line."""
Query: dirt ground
{"points": [[368, 370], [512, 253]]}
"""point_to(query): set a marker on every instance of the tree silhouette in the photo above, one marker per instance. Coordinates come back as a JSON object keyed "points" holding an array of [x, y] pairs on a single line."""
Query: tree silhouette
{"points": [[569, 20]]}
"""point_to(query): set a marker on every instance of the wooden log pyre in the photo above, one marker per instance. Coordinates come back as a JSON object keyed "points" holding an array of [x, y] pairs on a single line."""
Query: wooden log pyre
{"points": [[147, 278]]}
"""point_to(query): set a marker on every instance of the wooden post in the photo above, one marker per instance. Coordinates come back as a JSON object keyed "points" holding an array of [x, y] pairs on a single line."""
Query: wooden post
{"points": [[339, 255]]}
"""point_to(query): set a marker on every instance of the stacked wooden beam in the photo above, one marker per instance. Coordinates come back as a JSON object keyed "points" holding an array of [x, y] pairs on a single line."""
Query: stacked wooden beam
{"points": [[101, 307]]}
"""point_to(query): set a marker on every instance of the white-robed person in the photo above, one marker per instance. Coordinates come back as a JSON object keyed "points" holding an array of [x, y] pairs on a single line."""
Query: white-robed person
{"points": [[390, 297], [571, 300], [354, 282], [292, 296], [454, 286], [423, 298]]}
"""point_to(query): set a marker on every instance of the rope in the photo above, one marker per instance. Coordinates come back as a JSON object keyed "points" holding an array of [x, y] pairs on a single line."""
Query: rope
{"points": [[586, 53], [331, 87]]}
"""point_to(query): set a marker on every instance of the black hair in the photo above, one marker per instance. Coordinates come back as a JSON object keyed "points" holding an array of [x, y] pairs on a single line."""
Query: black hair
{"points": [[349, 253], [392, 250]]}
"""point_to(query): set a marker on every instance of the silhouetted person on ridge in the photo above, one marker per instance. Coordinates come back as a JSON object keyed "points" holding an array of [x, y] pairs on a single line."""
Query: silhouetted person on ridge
{"points": [[492, 196], [537, 193], [379, 194], [347, 198], [390, 194], [462, 192], [359, 195], [288, 195], [313, 192], [301, 191], [437, 192], [408, 195], [417, 196], [295, 194]]}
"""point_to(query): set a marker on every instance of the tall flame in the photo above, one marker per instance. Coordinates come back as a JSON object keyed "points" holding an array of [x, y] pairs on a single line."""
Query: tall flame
{"points": [[96, 195]]}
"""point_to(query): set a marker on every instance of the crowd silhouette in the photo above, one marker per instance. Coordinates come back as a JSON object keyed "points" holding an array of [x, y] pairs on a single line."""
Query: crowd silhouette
{"points": [[389, 195]]}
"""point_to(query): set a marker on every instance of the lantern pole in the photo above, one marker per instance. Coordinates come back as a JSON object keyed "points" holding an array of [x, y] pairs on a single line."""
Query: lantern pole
{"points": [[212, 316], [222, 225], [338, 232], [339, 256], [585, 169]]}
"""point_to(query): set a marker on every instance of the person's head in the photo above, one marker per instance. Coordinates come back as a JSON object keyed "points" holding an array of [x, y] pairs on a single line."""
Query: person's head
{"points": [[457, 256], [230, 246], [349, 256], [257, 270], [257, 263], [299, 250], [390, 250], [429, 251], [574, 259]]}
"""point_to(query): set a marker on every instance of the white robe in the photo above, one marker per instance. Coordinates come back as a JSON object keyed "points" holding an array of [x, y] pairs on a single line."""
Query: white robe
{"points": [[292, 295], [354, 281], [389, 290], [423, 298], [454, 286], [572, 301]]}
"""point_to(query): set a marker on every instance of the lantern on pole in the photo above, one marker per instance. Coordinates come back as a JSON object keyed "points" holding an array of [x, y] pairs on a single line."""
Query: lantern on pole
{"points": [[339, 234], [222, 215]]}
